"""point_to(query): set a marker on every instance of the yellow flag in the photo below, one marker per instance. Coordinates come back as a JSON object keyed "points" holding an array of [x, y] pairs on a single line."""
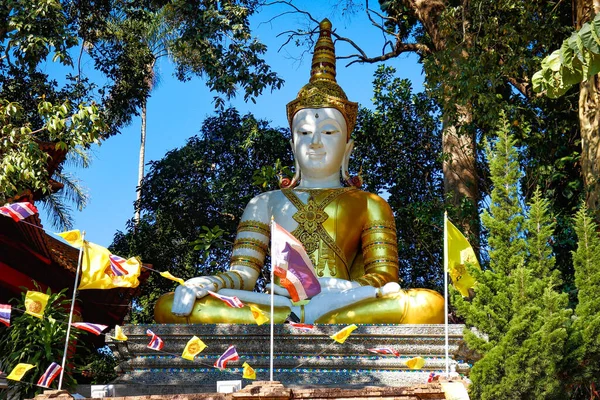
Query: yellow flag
{"points": [[258, 315], [19, 371], [342, 335], [193, 347], [249, 372], [72, 237], [119, 335], [415, 363], [98, 266], [458, 253], [167, 274], [35, 303]]}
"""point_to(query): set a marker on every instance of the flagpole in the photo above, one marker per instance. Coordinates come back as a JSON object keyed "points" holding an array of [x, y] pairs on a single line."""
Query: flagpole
{"points": [[446, 292], [64, 360], [272, 307]]}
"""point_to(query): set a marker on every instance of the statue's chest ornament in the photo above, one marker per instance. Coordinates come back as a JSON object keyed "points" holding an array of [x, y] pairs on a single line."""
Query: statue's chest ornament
{"points": [[310, 218]]}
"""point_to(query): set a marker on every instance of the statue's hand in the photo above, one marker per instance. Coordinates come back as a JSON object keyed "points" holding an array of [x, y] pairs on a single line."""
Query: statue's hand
{"points": [[389, 288], [279, 290], [186, 295], [334, 285]]}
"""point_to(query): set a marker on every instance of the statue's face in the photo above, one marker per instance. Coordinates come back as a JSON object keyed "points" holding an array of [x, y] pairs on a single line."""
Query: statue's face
{"points": [[319, 141]]}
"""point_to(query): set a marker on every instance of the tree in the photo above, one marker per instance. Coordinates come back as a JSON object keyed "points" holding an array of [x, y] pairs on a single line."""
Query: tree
{"points": [[198, 192], [398, 148], [578, 61], [518, 320], [36, 341], [212, 39], [584, 342], [156, 36]]}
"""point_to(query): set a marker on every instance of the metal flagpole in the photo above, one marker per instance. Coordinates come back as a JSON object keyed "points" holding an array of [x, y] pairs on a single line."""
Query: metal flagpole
{"points": [[64, 360], [272, 305], [446, 292]]}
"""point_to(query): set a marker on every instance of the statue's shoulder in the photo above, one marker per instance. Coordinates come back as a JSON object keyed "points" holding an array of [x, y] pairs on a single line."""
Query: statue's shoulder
{"points": [[377, 207], [371, 198], [264, 202]]}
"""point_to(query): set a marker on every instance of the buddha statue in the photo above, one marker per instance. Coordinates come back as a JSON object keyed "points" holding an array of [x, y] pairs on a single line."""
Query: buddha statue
{"points": [[349, 234]]}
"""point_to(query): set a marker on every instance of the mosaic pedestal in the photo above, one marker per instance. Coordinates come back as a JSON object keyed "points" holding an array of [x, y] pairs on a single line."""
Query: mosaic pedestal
{"points": [[310, 359]]}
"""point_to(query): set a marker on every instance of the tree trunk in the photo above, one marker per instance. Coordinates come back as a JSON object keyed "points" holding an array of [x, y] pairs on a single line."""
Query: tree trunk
{"points": [[141, 164], [589, 119], [460, 173]]}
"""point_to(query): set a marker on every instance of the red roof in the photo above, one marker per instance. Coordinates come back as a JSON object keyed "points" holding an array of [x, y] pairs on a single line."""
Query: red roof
{"points": [[28, 253]]}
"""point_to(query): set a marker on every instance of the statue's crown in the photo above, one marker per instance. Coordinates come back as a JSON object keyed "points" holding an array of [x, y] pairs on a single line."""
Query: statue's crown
{"points": [[322, 90]]}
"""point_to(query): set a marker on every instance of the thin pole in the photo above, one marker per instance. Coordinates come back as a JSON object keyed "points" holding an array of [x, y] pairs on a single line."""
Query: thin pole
{"points": [[272, 305], [64, 360], [446, 292]]}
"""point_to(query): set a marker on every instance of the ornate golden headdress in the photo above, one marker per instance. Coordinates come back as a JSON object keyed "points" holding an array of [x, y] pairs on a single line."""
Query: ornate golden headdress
{"points": [[322, 90]]}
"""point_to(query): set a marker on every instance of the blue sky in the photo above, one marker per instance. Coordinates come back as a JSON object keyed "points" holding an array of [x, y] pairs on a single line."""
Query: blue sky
{"points": [[176, 111]]}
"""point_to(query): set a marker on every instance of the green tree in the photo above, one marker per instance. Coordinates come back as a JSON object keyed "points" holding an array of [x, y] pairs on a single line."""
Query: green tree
{"points": [[212, 39], [518, 321], [36, 341], [199, 191], [583, 362], [398, 148], [578, 61]]}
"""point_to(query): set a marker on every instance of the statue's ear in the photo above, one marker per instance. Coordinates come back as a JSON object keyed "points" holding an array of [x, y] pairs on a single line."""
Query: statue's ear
{"points": [[297, 175], [346, 160]]}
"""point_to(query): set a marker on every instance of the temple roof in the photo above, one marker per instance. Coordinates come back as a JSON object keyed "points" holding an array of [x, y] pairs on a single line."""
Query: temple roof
{"points": [[28, 253]]}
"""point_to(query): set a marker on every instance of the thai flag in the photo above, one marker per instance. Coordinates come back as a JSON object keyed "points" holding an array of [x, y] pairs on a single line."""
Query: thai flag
{"points": [[51, 373], [156, 343], [231, 301], [229, 355], [302, 327], [18, 211], [96, 329], [384, 350], [116, 265], [431, 377], [5, 310], [292, 265]]}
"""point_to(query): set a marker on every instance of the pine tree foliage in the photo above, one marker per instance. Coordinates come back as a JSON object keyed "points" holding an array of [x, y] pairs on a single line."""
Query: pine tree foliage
{"points": [[518, 319], [584, 343]]}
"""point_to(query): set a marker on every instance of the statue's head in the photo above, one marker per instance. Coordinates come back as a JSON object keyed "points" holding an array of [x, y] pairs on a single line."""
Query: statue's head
{"points": [[321, 117]]}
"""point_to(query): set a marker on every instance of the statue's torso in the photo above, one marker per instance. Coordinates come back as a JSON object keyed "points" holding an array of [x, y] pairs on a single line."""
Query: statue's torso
{"points": [[331, 223]]}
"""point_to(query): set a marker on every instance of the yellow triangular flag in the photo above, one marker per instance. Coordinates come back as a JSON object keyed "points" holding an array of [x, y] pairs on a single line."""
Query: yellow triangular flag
{"points": [[459, 252], [342, 335], [119, 335], [35, 303], [249, 372], [72, 237], [167, 274], [19, 371], [258, 315], [415, 363], [97, 271], [193, 347]]}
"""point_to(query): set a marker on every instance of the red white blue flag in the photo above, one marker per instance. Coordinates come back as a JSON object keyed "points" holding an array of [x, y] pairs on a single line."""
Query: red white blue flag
{"points": [[384, 350], [5, 310], [156, 343], [116, 265], [302, 327], [18, 211], [51, 373], [431, 377], [231, 301], [96, 329], [229, 355], [292, 265]]}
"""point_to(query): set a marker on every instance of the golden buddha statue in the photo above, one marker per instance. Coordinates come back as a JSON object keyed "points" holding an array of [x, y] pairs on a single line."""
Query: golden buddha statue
{"points": [[349, 234]]}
